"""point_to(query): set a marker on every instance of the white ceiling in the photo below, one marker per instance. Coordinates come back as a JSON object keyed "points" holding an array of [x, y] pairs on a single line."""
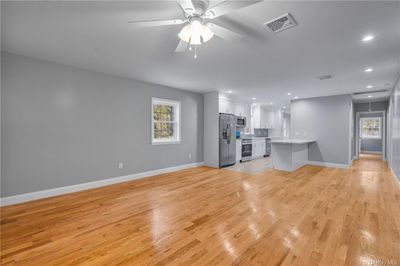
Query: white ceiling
{"points": [[95, 35]]}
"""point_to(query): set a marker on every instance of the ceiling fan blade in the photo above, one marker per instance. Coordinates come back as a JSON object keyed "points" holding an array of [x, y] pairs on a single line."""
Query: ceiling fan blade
{"points": [[187, 6], [228, 6], [182, 46], [224, 33], [155, 23]]}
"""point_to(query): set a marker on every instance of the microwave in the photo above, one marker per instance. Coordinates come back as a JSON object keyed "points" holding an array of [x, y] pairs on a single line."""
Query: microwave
{"points": [[240, 121]]}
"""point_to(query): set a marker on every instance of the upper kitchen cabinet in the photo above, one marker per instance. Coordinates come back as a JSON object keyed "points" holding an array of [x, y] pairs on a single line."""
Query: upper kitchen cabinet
{"points": [[231, 106], [226, 106]]}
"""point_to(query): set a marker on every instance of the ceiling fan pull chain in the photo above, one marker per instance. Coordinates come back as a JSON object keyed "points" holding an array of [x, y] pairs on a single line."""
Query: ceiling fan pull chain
{"points": [[195, 52]]}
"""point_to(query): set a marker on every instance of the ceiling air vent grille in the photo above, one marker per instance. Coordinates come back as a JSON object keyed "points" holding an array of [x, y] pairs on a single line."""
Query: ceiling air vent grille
{"points": [[325, 77], [281, 23]]}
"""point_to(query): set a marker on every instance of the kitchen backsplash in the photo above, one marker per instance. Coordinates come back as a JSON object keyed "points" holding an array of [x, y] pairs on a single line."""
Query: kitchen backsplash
{"points": [[260, 132]]}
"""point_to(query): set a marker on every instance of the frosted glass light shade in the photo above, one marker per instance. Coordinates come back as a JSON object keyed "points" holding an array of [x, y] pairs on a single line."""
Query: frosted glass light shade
{"points": [[185, 33], [195, 33], [207, 34], [195, 39]]}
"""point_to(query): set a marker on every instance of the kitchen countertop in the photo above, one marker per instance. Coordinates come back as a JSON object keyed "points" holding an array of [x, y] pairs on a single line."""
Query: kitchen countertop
{"points": [[253, 138], [293, 141]]}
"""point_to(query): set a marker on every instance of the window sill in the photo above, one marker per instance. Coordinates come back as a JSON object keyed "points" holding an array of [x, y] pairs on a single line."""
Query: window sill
{"points": [[165, 142]]}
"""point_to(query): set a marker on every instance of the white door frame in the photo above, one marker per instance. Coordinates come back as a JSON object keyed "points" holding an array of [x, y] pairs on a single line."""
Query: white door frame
{"points": [[389, 133], [357, 148]]}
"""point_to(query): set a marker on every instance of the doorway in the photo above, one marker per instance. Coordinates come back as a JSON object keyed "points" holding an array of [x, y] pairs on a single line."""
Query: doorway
{"points": [[371, 133]]}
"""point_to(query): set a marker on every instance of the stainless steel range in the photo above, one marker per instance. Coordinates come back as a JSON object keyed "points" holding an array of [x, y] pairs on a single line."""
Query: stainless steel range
{"points": [[247, 146]]}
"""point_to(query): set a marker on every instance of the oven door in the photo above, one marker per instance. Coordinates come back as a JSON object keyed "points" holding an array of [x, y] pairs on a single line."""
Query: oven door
{"points": [[246, 149]]}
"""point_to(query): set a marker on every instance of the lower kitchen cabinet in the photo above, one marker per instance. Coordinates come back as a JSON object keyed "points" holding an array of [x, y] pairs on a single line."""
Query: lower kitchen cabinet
{"points": [[258, 148], [238, 150]]}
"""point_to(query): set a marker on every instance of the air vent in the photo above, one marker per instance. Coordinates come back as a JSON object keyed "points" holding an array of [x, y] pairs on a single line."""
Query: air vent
{"points": [[325, 77], [281, 23]]}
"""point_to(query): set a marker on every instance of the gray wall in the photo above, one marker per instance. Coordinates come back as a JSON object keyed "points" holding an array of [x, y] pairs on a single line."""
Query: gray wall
{"points": [[372, 145], [326, 119], [395, 129], [63, 125], [211, 129]]}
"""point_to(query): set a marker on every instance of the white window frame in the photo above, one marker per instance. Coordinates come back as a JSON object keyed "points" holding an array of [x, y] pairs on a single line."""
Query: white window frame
{"points": [[380, 127], [177, 116]]}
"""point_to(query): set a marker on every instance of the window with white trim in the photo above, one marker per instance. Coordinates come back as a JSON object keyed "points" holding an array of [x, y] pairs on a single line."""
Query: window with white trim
{"points": [[371, 127], [165, 116]]}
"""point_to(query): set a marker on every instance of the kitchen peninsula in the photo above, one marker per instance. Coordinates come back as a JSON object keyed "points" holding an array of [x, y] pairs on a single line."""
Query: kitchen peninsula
{"points": [[289, 154]]}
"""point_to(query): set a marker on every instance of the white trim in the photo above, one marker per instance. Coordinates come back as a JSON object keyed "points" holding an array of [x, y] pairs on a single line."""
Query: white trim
{"points": [[95, 184], [351, 132], [166, 142], [395, 176], [325, 164]]}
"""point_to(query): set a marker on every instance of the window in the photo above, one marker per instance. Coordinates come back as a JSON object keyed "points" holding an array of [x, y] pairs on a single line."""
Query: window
{"points": [[371, 127], [165, 116]]}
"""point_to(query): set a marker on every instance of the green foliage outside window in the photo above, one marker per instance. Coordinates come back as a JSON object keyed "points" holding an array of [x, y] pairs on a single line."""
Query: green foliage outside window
{"points": [[164, 121], [370, 127]]}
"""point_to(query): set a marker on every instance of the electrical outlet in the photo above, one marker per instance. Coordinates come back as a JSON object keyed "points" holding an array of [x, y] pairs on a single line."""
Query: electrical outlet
{"points": [[120, 165], [190, 155]]}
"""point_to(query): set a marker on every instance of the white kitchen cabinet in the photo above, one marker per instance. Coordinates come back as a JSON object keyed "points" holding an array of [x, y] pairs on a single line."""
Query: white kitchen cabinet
{"points": [[258, 148], [226, 106], [240, 110], [229, 106], [238, 150]]}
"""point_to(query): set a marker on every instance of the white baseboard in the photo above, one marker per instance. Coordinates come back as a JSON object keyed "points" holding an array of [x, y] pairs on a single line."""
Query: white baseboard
{"points": [[395, 176], [325, 164], [95, 184], [371, 152]]}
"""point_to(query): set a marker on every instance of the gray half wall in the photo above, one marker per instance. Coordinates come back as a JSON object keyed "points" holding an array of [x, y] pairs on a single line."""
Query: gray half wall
{"points": [[63, 126], [326, 119]]}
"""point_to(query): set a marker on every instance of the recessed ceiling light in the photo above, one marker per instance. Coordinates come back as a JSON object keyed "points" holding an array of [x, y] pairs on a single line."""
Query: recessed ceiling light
{"points": [[369, 87], [369, 96], [229, 91], [369, 70], [368, 38], [254, 98], [289, 93], [296, 97], [271, 103], [284, 107]]}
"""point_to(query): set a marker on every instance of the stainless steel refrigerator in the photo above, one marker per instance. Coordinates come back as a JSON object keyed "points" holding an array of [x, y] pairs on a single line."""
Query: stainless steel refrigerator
{"points": [[227, 140]]}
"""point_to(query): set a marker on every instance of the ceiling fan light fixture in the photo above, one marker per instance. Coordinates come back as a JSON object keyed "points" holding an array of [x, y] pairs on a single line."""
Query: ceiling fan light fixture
{"points": [[195, 33], [195, 39], [207, 34], [185, 33]]}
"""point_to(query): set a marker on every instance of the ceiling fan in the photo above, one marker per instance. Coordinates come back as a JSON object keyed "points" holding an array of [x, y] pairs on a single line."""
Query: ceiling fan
{"points": [[197, 29]]}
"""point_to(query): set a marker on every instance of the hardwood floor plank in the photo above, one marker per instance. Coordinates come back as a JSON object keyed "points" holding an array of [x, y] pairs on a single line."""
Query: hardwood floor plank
{"points": [[205, 216]]}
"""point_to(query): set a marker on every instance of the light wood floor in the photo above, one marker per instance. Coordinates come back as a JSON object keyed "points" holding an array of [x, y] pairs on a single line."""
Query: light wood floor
{"points": [[254, 166], [206, 216]]}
